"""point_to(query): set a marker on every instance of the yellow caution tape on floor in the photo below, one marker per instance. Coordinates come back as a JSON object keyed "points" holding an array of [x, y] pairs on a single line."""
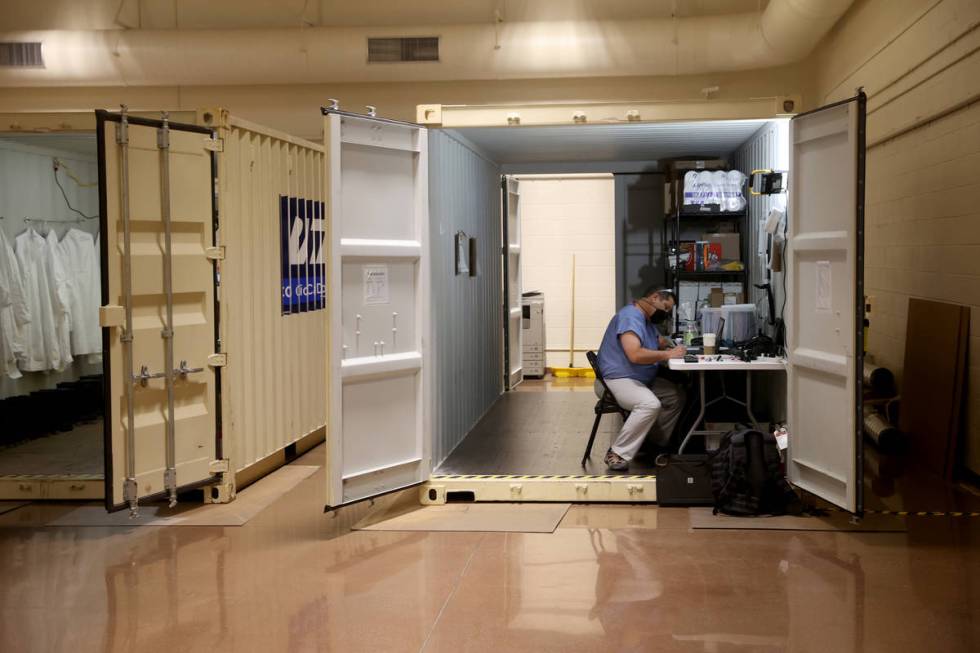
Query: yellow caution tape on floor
{"points": [[919, 513]]}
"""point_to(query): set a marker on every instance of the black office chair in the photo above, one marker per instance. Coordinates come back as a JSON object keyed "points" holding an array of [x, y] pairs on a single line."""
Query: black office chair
{"points": [[607, 404]]}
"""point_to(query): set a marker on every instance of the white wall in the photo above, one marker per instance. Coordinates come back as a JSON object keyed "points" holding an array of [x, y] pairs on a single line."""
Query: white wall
{"points": [[561, 216], [27, 187]]}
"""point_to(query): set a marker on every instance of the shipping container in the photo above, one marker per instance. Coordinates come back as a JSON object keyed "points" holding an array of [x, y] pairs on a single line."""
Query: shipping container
{"points": [[261, 293], [243, 258], [381, 191]]}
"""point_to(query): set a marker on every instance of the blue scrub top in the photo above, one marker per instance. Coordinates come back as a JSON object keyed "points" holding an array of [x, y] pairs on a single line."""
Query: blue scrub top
{"points": [[613, 363]]}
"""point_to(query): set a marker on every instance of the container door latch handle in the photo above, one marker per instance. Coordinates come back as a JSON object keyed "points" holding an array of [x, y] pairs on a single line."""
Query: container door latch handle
{"points": [[143, 378], [183, 370]]}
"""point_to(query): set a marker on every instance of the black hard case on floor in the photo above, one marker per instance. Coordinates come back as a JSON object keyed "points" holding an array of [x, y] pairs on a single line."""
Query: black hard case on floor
{"points": [[685, 481]]}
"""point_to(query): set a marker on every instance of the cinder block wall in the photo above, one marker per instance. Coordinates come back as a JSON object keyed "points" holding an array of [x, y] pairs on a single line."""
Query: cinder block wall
{"points": [[920, 67], [562, 216]]}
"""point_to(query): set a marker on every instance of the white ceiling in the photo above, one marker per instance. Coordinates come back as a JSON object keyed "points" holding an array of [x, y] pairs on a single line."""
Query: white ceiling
{"points": [[602, 143], [230, 14]]}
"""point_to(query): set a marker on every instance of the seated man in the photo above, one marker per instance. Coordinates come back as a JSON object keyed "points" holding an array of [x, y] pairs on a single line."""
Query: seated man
{"points": [[630, 352]]}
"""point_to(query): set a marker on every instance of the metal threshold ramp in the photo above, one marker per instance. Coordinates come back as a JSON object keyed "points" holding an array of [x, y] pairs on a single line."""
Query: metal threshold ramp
{"points": [[612, 488]]}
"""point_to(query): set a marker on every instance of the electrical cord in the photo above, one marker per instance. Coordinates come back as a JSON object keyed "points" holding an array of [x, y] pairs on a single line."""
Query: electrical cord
{"points": [[78, 182], [54, 171]]}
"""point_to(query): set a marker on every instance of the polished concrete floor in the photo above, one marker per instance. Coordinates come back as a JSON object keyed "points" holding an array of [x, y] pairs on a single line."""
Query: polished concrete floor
{"points": [[610, 578]]}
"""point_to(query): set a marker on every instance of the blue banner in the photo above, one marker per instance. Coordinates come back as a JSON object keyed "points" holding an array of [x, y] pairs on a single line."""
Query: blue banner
{"points": [[302, 227]]}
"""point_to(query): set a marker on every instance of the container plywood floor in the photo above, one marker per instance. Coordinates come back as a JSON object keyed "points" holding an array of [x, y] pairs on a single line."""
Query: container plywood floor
{"points": [[74, 453], [542, 429]]}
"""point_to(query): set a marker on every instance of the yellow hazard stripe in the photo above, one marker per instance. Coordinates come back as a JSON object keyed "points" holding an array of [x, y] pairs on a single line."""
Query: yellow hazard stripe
{"points": [[925, 513], [541, 477], [919, 513]]}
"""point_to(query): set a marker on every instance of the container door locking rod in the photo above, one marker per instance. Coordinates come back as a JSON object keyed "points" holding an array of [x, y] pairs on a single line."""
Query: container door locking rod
{"points": [[163, 144], [130, 495]]}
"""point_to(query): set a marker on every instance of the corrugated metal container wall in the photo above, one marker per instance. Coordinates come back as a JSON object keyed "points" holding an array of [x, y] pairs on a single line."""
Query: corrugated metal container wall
{"points": [[464, 195], [274, 386], [767, 149], [762, 151]]}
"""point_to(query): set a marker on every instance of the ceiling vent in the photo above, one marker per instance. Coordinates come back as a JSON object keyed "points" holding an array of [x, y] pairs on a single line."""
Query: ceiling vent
{"points": [[400, 49], [21, 55]]}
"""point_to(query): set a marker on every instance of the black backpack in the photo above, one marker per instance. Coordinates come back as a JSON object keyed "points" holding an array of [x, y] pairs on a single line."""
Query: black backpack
{"points": [[747, 478]]}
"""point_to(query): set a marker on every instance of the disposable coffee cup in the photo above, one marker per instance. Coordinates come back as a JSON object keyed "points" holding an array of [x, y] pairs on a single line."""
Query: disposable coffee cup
{"points": [[709, 343]]}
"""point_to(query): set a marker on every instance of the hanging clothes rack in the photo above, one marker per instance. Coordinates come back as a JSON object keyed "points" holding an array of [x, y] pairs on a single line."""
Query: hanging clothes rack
{"points": [[56, 220]]}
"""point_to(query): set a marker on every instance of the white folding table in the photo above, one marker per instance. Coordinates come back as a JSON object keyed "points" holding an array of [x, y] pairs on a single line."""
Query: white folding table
{"points": [[711, 364]]}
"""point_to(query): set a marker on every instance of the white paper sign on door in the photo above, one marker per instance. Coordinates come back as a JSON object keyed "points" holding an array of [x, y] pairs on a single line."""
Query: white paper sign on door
{"points": [[375, 284], [825, 291]]}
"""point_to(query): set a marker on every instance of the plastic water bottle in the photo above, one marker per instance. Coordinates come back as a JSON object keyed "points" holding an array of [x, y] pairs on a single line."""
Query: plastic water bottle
{"points": [[689, 334]]}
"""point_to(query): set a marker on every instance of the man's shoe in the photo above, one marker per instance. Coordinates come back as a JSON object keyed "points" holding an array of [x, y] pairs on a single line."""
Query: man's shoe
{"points": [[615, 462]]}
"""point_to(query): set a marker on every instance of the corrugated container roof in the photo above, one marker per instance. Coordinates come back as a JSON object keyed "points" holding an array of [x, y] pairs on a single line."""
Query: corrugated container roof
{"points": [[625, 142]]}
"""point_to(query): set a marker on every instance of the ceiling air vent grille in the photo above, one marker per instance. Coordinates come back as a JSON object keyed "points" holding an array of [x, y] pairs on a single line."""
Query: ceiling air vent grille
{"points": [[414, 48], [21, 55]]}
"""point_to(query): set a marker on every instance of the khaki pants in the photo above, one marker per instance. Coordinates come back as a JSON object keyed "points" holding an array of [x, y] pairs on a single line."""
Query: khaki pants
{"points": [[657, 407]]}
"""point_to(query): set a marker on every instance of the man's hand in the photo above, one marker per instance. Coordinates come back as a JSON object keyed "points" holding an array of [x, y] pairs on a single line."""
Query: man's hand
{"points": [[677, 352]]}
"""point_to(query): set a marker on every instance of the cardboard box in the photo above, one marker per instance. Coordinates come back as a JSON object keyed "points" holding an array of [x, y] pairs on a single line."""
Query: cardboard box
{"points": [[717, 298], [731, 245]]}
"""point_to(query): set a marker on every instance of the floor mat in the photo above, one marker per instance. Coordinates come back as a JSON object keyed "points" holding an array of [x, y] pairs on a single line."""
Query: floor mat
{"points": [[249, 503], [469, 517], [701, 518]]}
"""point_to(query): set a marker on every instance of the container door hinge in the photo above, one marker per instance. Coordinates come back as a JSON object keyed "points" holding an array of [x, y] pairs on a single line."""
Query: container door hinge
{"points": [[111, 316], [214, 145], [217, 360], [215, 253], [130, 496], [224, 490]]}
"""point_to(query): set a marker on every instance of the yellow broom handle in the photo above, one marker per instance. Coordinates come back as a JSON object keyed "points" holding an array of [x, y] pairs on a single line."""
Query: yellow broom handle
{"points": [[571, 335]]}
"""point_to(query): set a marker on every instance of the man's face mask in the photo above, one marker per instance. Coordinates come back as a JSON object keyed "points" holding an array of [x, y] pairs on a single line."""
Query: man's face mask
{"points": [[659, 314]]}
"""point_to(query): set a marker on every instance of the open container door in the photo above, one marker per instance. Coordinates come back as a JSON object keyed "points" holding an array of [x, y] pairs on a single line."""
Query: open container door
{"points": [[825, 301], [377, 294], [513, 285], [158, 284]]}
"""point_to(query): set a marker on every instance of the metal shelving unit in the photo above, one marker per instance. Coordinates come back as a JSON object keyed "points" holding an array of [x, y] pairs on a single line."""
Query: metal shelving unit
{"points": [[676, 219]]}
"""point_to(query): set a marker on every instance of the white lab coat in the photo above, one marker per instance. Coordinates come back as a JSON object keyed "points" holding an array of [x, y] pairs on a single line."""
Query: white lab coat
{"points": [[14, 314], [42, 350], [85, 291], [60, 285]]}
